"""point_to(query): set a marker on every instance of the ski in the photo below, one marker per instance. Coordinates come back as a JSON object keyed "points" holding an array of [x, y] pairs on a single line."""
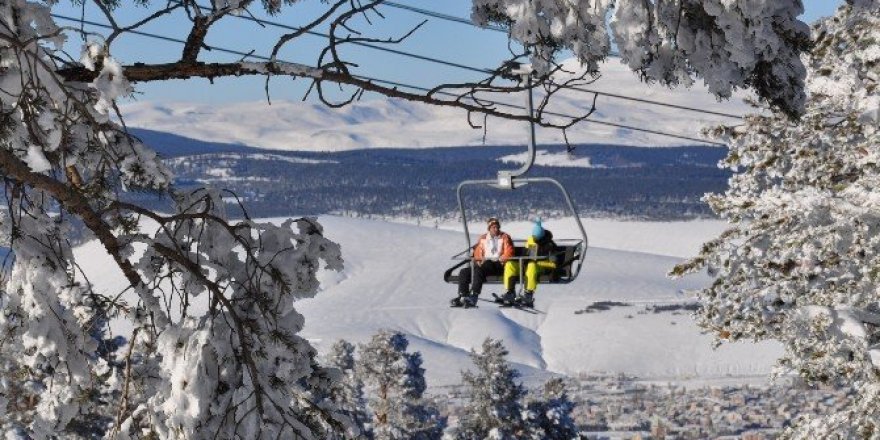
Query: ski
{"points": [[498, 299], [505, 305], [462, 305], [521, 308]]}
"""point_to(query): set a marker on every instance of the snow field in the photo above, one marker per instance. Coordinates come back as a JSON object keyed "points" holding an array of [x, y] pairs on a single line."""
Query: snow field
{"points": [[393, 279]]}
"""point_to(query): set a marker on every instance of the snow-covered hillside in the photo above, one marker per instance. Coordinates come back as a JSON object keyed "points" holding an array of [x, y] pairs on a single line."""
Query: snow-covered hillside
{"points": [[393, 279], [387, 283], [293, 125]]}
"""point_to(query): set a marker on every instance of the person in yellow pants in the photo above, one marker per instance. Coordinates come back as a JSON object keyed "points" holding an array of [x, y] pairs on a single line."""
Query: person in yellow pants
{"points": [[539, 244]]}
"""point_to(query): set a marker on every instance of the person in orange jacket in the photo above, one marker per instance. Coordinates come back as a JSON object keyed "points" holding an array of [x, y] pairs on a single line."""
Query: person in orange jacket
{"points": [[491, 252]]}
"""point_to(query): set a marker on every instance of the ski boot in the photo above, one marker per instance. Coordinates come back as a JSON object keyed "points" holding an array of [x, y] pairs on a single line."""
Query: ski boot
{"points": [[507, 299], [526, 300], [469, 301], [458, 301]]}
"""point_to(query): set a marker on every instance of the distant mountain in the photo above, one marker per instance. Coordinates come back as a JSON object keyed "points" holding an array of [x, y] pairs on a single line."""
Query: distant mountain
{"points": [[384, 123], [170, 145], [634, 182]]}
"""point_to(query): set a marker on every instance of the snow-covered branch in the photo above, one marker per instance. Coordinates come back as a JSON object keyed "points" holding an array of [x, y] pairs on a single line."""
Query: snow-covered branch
{"points": [[729, 45]]}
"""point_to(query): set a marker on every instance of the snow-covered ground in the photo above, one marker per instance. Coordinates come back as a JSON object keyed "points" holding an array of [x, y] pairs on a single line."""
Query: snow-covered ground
{"points": [[294, 125], [545, 158], [393, 279]]}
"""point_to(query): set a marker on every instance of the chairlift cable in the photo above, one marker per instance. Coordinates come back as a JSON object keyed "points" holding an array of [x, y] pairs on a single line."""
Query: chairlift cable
{"points": [[400, 84], [472, 68], [442, 16], [455, 19], [562, 115]]}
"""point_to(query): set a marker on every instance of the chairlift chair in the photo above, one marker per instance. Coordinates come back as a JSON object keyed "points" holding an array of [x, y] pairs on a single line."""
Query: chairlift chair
{"points": [[570, 252]]}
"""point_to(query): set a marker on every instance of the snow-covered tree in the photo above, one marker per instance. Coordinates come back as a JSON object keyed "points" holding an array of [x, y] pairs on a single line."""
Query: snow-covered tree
{"points": [[729, 44], [495, 406], [236, 367], [550, 413], [801, 262], [348, 393], [215, 351], [395, 383]]}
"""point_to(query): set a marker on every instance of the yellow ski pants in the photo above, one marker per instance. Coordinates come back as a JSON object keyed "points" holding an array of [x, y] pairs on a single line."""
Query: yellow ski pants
{"points": [[533, 268]]}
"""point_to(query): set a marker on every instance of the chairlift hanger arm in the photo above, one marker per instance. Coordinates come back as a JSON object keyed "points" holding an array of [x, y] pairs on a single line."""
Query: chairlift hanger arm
{"points": [[505, 177]]}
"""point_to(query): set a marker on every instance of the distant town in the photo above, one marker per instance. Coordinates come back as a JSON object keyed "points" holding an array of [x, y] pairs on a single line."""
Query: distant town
{"points": [[626, 408]]}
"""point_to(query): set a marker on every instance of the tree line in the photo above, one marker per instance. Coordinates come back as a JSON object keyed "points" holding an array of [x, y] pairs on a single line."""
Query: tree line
{"points": [[639, 183], [382, 393]]}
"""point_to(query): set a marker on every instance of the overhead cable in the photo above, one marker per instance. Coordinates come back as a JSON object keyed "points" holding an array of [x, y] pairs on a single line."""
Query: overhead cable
{"points": [[396, 84], [473, 68], [455, 19], [442, 16], [563, 115]]}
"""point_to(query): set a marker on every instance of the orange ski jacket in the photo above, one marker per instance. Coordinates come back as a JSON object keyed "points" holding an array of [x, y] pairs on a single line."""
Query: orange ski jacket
{"points": [[483, 242]]}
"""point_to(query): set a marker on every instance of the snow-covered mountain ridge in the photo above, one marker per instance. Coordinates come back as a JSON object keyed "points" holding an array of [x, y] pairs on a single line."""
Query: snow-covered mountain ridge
{"points": [[393, 279], [371, 123]]}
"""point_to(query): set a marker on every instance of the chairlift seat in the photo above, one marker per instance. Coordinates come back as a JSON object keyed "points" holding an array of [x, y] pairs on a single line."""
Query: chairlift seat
{"points": [[566, 256]]}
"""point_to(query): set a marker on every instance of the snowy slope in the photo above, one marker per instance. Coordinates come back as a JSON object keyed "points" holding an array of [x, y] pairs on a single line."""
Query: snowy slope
{"points": [[293, 125], [386, 284]]}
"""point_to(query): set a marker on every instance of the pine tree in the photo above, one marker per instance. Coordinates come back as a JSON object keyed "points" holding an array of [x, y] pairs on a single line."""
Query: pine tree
{"points": [[494, 409], [348, 393], [726, 43], [551, 413], [96, 379], [395, 382], [238, 368], [800, 263]]}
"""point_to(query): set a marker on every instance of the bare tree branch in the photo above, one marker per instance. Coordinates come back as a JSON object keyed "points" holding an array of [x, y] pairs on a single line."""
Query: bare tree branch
{"points": [[468, 100]]}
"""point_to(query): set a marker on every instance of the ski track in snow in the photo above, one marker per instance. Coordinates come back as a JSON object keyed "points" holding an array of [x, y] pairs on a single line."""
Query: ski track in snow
{"points": [[393, 279]]}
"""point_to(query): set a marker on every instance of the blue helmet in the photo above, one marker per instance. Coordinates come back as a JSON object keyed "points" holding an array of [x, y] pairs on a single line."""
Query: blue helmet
{"points": [[537, 230]]}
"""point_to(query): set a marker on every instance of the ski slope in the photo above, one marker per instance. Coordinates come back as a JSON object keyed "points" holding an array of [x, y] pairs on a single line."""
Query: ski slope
{"points": [[393, 279]]}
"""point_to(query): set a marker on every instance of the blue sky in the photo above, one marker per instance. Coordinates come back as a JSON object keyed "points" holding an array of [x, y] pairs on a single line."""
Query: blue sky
{"points": [[440, 39]]}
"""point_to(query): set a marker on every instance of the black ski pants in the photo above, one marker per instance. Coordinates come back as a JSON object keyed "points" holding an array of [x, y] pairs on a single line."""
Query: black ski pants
{"points": [[481, 271]]}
